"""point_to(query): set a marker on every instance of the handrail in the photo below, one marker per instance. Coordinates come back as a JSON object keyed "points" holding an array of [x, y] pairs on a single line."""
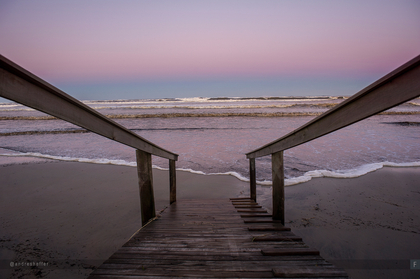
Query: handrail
{"points": [[377, 97], [19, 85], [395, 88]]}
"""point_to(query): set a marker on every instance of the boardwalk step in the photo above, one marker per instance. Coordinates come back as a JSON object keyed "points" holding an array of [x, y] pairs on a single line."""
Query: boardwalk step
{"points": [[241, 199], [248, 206], [308, 272], [252, 210], [266, 228], [256, 215], [276, 238], [244, 203], [289, 252], [193, 272], [260, 220], [208, 239]]}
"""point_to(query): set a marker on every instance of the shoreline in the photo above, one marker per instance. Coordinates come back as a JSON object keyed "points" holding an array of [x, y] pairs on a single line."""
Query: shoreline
{"points": [[75, 215], [16, 157], [190, 115]]}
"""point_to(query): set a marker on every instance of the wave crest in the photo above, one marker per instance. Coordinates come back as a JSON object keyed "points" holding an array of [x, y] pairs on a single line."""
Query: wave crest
{"points": [[350, 173]]}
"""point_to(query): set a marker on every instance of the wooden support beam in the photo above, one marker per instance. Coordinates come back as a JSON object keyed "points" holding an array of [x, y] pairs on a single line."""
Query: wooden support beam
{"points": [[172, 181], [147, 199], [252, 180], [278, 186]]}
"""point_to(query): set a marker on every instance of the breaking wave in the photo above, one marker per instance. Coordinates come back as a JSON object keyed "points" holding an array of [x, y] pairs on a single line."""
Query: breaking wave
{"points": [[204, 114], [350, 173]]}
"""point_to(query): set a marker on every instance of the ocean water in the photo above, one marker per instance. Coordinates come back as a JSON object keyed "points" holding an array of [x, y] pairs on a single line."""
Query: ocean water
{"points": [[212, 136]]}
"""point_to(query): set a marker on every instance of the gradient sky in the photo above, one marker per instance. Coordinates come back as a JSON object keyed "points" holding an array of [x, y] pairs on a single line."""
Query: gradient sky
{"points": [[106, 46]]}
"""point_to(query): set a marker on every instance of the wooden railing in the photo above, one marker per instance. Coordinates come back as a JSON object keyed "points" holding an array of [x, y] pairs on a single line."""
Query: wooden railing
{"points": [[397, 87], [19, 85]]}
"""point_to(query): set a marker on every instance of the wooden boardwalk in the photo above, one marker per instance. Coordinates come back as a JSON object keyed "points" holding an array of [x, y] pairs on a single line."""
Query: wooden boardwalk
{"points": [[216, 239]]}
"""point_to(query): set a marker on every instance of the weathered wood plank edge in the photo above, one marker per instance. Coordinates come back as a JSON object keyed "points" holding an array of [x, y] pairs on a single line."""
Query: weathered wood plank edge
{"points": [[266, 228], [168, 248], [309, 272], [251, 266], [211, 257], [289, 252]]}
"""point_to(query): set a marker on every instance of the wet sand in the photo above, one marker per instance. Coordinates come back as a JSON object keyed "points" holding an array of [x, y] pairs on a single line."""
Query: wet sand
{"points": [[73, 216], [368, 225]]}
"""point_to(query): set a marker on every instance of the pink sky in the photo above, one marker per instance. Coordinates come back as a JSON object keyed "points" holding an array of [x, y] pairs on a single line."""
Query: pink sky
{"points": [[74, 41]]}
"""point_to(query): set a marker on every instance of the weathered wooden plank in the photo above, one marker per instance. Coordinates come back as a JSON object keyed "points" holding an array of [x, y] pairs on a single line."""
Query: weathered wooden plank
{"points": [[309, 272], [255, 210], [203, 247], [164, 276], [260, 220], [276, 238], [221, 265], [186, 229], [256, 215], [272, 233], [133, 255], [289, 252], [240, 199], [201, 223], [199, 229], [187, 236], [248, 206], [191, 273], [268, 228], [244, 203], [199, 244]]}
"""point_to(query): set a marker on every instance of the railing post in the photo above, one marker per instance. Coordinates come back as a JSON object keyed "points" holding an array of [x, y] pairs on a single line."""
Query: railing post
{"points": [[144, 171], [252, 180], [172, 181], [278, 186]]}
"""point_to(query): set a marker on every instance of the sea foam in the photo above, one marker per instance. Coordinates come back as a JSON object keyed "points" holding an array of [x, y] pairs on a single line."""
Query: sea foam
{"points": [[350, 173]]}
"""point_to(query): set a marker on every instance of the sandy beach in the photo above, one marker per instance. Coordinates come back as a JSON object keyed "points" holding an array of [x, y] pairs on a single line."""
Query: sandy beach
{"points": [[368, 225], [73, 216]]}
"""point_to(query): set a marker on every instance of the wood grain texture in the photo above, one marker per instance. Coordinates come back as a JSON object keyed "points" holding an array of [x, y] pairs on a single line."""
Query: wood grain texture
{"points": [[309, 272], [172, 181], [145, 175], [278, 186], [252, 180], [208, 239]]}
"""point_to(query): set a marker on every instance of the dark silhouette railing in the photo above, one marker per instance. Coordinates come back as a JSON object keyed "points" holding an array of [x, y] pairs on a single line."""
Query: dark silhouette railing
{"points": [[397, 87], [19, 85]]}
